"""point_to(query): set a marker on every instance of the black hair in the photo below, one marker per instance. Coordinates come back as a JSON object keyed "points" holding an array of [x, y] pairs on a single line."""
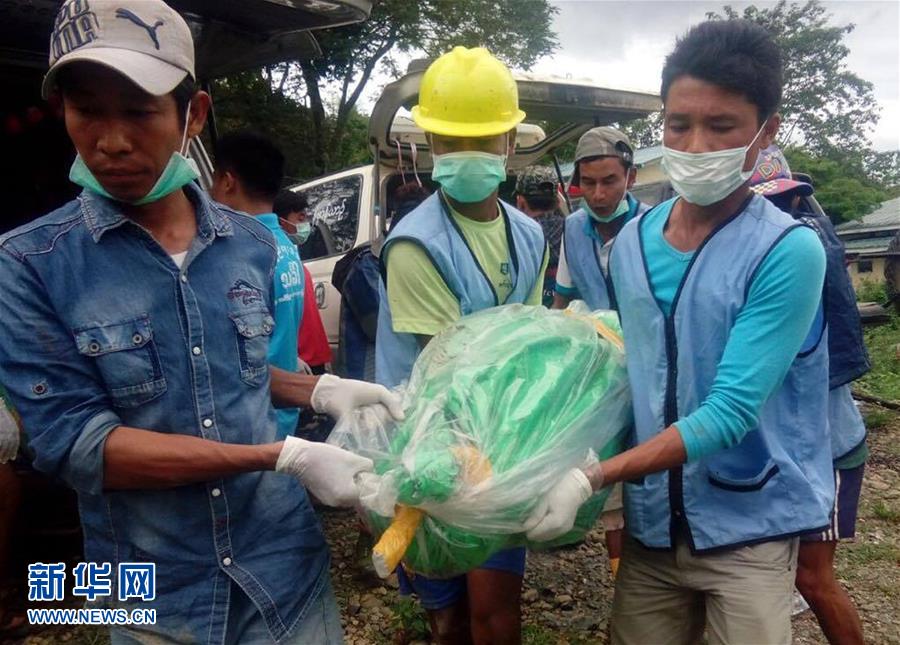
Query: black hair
{"points": [[183, 93], [407, 198], [254, 159], [541, 202], [287, 202], [736, 55]]}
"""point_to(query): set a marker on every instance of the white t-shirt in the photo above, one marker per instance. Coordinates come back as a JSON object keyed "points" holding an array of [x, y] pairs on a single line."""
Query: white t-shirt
{"points": [[563, 278], [178, 258]]}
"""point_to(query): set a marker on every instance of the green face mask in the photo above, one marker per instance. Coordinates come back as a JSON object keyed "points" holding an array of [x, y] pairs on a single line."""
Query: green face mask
{"points": [[179, 172], [303, 229], [621, 209], [469, 176]]}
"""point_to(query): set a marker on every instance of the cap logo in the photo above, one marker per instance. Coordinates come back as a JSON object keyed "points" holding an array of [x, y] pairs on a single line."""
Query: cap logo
{"points": [[770, 168], [151, 30], [76, 26]]}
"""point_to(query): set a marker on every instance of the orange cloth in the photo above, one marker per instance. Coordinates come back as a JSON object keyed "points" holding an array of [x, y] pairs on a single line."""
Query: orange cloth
{"points": [[312, 342]]}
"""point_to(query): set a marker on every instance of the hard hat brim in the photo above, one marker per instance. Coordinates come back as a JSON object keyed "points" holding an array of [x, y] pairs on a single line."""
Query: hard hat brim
{"points": [[462, 129]]}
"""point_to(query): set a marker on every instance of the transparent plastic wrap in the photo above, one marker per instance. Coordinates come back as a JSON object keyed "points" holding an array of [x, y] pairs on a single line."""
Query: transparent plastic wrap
{"points": [[498, 408]]}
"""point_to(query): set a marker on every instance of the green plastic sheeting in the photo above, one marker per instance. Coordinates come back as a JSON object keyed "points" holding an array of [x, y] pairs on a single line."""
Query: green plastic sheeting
{"points": [[498, 408]]}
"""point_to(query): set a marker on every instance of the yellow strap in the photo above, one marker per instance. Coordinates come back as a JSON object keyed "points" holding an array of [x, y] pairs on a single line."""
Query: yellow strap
{"points": [[602, 329]]}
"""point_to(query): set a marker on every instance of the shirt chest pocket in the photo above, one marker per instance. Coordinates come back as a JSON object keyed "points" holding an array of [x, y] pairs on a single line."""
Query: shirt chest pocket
{"points": [[127, 358], [253, 330]]}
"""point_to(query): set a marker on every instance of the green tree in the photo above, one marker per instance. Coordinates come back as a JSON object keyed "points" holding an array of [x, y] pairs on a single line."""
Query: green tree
{"points": [[884, 169], [517, 31], [842, 187], [825, 105]]}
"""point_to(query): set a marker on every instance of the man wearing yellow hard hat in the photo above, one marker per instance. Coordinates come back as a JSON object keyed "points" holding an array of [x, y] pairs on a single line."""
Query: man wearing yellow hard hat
{"points": [[462, 250]]}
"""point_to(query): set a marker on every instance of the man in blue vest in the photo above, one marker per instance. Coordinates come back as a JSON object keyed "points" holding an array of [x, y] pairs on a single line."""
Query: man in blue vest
{"points": [[604, 170], [719, 294], [848, 360], [462, 250]]}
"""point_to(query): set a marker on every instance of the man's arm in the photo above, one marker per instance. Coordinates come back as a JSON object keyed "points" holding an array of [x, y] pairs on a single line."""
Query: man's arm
{"points": [[141, 459], [775, 324], [291, 389]]}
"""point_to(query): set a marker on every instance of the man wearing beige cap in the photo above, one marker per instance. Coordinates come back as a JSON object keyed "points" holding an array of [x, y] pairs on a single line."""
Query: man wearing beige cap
{"points": [[604, 170], [133, 338]]}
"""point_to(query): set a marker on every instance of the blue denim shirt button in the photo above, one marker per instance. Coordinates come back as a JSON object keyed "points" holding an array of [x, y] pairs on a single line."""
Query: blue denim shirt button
{"points": [[226, 562], [183, 277], [207, 423], [196, 351], [216, 492]]}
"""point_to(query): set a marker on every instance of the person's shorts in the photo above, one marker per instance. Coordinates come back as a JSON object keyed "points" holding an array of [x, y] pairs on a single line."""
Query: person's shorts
{"points": [[847, 485], [435, 593]]}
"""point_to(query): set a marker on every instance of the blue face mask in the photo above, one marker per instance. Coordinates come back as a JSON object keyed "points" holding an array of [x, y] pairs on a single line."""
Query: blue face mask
{"points": [[469, 176], [179, 172], [621, 209]]}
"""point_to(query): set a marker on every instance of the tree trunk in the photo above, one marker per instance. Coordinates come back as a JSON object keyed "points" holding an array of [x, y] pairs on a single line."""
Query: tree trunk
{"points": [[317, 109]]}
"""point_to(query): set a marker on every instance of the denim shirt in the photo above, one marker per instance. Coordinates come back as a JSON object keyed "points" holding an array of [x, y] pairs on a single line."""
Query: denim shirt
{"points": [[100, 328]]}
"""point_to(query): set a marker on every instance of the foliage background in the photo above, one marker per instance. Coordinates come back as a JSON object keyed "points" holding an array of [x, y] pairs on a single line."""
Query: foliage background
{"points": [[311, 107]]}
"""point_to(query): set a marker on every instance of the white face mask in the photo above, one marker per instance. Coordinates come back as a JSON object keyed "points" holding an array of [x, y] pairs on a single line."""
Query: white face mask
{"points": [[704, 178]]}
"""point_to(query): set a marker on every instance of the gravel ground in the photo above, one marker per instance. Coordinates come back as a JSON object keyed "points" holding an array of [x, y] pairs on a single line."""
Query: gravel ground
{"points": [[567, 593]]}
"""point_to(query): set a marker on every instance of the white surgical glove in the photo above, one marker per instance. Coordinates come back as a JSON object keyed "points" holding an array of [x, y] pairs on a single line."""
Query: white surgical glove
{"points": [[555, 513], [9, 434], [328, 472], [336, 397]]}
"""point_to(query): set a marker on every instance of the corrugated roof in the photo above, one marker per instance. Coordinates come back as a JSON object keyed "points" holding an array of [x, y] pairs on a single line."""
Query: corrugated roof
{"points": [[646, 155], [887, 216], [867, 245]]}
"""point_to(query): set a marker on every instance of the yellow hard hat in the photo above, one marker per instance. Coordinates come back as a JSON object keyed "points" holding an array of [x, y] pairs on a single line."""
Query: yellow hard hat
{"points": [[468, 93]]}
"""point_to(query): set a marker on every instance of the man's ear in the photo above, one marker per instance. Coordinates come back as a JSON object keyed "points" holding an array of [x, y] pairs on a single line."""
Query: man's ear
{"points": [[229, 183], [511, 143], [520, 203], [199, 110], [632, 177]]}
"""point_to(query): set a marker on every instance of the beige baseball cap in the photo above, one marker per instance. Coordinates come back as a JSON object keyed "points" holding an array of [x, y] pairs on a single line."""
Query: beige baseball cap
{"points": [[604, 141], [144, 40]]}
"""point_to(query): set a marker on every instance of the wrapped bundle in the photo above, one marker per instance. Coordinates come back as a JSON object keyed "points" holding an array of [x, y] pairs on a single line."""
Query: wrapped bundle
{"points": [[498, 408]]}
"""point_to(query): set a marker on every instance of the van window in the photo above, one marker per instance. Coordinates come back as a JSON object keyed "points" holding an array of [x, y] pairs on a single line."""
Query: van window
{"points": [[334, 211]]}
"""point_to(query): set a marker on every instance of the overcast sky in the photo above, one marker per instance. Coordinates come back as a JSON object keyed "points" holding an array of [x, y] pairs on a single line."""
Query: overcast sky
{"points": [[622, 44]]}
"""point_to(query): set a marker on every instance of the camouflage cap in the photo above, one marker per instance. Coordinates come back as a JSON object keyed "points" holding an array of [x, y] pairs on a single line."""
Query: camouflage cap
{"points": [[536, 181]]}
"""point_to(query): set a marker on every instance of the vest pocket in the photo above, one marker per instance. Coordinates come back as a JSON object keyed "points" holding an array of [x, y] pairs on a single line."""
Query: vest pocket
{"points": [[743, 484], [253, 329], [127, 358]]}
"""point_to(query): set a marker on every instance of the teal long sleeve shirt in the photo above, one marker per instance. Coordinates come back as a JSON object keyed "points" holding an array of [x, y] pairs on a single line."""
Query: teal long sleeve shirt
{"points": [[781, 317]]}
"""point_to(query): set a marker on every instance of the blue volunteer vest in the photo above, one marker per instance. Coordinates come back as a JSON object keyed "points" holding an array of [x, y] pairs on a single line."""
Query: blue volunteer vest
{"points": [[778, 480], [432, 228], [582, 256]]}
